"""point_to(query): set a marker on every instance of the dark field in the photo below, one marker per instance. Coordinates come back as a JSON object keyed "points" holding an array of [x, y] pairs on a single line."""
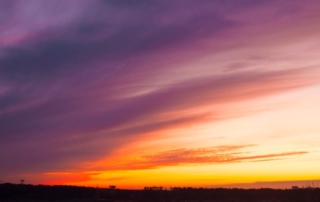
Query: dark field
{"points": [[59, 193]]}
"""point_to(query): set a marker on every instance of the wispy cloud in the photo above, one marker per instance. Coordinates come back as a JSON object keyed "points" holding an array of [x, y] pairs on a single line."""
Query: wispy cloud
{"points": [[58, 116], [81, 79], [199, 156]]}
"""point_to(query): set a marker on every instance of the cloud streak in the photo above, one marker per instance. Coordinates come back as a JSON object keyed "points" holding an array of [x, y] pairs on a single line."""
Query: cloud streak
{"points": [[200, 156], [79, 79]]}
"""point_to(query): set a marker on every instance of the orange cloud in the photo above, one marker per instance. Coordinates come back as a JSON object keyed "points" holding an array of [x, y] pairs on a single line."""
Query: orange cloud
{"points": [[211, 155]]}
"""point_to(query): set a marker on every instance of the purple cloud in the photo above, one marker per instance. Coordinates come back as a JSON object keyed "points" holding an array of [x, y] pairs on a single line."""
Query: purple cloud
{"points": [[71, 70]]}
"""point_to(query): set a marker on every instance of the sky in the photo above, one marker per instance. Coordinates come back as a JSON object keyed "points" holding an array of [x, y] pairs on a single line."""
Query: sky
{"points": [[200, 93]]}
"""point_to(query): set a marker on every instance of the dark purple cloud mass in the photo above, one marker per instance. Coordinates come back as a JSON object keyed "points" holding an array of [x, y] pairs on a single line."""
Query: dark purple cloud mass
{"points": [[79, 78]]}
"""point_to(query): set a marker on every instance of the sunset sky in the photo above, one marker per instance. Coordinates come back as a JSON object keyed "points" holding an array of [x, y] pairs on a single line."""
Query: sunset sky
{"points": [[134, 93]]}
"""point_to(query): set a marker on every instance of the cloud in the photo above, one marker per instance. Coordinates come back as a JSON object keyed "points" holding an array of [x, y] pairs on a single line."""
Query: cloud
{"points": [[68, 119], [200, 156], [78, 42], [77, 75]]}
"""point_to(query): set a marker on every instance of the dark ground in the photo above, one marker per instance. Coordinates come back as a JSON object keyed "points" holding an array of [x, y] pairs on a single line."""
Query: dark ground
{"points": [[59, 193]]}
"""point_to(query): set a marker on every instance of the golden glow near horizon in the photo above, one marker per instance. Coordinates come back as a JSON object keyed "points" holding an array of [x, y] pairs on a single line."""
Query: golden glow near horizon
{"points": [[271, 133], [271, 154]]}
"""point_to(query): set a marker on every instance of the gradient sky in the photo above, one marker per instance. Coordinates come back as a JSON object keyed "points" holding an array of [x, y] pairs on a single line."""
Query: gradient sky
{"points": [[201, 93]]}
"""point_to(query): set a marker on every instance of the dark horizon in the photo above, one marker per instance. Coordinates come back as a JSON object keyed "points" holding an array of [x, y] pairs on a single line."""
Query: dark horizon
{"points": [[26, 192]]}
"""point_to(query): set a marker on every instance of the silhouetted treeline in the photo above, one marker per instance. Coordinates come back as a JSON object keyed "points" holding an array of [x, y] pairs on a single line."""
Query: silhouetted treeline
{"points": [[19, 192]]}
